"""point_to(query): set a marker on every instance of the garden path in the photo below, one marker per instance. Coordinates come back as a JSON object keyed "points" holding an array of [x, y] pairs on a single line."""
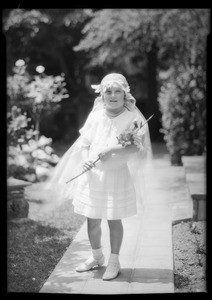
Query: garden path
{"points": [[146, 255]]}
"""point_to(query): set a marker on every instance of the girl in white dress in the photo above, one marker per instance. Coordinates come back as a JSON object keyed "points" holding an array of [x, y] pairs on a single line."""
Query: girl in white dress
{"points": [[109, 188]]}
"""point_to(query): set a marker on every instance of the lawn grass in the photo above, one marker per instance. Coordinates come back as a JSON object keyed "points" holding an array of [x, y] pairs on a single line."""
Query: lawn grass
{"points": [[33, 251], [36, 244]]}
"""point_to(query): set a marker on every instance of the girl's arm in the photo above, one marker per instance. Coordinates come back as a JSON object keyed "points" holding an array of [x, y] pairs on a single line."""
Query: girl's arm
{"points": [[87, 164]]}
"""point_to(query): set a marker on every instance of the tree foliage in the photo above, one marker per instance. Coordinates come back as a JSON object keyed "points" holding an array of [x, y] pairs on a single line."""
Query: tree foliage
{"points": [[174, 32], [78, 41], [46, 37], [178, 37]]}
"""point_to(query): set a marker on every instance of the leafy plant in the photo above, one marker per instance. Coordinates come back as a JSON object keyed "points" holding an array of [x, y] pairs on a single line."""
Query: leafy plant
{"points": [[183, 105], [39, 95], [28, 159], [175, 33], [17, 130]]}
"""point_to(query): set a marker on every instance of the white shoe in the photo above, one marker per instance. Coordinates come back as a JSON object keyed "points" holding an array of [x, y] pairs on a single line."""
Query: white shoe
{"points": [[90, 263], [112, 271]]}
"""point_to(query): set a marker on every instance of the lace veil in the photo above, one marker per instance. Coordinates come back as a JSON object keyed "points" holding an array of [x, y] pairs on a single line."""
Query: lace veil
{"points": [[69, 165]]}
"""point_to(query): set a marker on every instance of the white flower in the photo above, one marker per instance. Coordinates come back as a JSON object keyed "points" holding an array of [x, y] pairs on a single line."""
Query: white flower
{"points": [[55, 158], [127, 143], [26, 148], [48, 150], [44, 141], [21, 160]]}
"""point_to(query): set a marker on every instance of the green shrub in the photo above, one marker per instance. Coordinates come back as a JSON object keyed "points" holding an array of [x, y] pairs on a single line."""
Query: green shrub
{"points": [[38, 95], [28, 158], [183, 106], [18, 132]]}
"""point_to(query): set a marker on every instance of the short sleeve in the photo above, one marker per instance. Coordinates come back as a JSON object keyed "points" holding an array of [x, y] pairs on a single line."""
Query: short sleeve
{"points": [[86, 131]]}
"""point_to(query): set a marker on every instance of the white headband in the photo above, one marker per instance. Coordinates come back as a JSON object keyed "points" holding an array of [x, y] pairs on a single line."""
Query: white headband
{"points": [[121, 80], [101, 87]]}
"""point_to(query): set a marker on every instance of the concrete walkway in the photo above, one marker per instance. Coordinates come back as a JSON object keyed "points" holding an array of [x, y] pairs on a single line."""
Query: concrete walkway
{"points": [[146, 255]]}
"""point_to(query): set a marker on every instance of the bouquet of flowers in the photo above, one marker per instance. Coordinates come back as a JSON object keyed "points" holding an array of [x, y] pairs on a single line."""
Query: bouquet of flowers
{"points": [[132, 135]]}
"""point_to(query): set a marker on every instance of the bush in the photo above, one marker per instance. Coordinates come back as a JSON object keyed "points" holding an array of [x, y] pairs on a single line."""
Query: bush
{"points": [[18, 132], [39, 95], [28, 159], [30, 155], [183, 106]]}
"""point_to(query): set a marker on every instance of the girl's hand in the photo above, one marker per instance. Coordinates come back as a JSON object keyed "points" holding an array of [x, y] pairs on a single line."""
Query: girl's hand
{"points": [[87, 165], [105, 154]]}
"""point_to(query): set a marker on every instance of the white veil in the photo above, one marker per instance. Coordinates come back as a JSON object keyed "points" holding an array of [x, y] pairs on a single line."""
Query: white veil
{"points": [[70, 164]]}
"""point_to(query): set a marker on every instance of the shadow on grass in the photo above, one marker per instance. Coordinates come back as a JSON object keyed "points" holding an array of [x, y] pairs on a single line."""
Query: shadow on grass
{"points": [[32, 253]]}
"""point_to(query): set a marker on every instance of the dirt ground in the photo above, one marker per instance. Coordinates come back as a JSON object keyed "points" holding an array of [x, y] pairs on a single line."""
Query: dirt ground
{"points": [[189, 245]]}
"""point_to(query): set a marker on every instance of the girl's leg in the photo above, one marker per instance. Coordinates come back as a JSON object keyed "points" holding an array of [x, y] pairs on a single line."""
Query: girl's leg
{"points": [[116, 237], [94, 234]]}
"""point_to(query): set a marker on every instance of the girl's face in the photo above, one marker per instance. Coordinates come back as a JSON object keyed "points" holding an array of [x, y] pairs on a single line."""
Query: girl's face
{"points": [[113, 97]]}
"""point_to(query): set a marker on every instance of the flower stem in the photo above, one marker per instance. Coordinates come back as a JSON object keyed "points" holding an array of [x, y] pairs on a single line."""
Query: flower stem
{"points": [[82, 172]]}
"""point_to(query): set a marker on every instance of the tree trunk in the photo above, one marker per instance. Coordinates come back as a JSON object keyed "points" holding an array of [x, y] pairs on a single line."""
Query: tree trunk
{"points": [[176, 159], [37, 128], [152, 104]]}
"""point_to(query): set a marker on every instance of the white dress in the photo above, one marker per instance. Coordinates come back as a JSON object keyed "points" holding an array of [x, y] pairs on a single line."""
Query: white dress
{"points": [[107, 190]]}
